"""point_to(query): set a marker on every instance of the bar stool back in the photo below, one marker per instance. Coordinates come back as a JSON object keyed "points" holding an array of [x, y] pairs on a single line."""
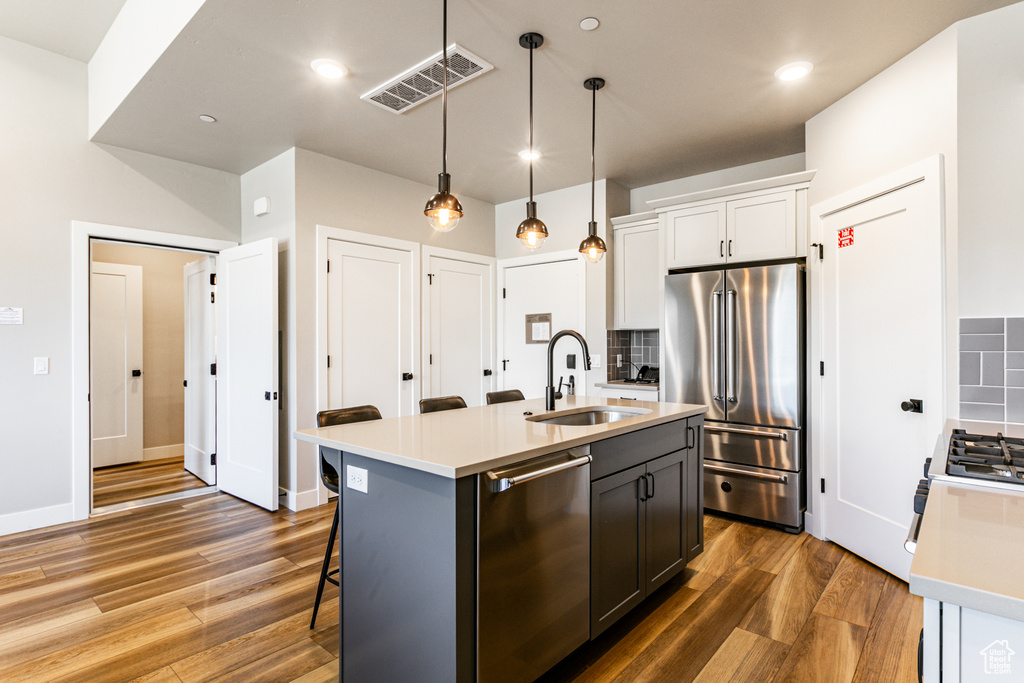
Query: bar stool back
{"points": [[433, 405], [505, 396]]}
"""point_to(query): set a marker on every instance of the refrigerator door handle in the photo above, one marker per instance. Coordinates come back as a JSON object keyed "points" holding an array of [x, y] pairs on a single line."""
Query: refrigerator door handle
{"points": [[716, 344], [730, 344]]}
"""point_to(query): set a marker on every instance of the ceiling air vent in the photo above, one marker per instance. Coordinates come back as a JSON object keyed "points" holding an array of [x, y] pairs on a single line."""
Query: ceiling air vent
{"points": [[423, 81]]}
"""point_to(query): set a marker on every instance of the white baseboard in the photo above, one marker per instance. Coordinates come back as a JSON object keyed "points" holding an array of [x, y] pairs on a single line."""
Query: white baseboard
{"points": [[811, 527], [298, 501], [175, 450], [16, 522]]}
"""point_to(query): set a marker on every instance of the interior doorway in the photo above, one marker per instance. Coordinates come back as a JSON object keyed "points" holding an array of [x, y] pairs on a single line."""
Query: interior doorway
{"points": [[140, 348]]}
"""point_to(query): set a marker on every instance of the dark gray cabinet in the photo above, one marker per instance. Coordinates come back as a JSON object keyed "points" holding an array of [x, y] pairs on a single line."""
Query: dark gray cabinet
{"points": [[646, 521]]}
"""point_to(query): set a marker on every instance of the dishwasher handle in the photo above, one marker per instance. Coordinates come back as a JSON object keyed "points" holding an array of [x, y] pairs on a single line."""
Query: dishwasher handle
{"points": [[499, 483]]}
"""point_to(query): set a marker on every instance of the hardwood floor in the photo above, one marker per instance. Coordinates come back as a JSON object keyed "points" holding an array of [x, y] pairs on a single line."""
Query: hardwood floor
{"points": [[138, 480], [213, 589]]}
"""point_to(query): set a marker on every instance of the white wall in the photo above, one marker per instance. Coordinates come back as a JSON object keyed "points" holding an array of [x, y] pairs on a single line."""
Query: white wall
{"points": [[276, 179], [990, 130], [50, 175], [639, 196]]}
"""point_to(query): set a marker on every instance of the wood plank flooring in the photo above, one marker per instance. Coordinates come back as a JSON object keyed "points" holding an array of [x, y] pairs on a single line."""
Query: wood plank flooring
{"points": [[138, 480], [213, 589]]}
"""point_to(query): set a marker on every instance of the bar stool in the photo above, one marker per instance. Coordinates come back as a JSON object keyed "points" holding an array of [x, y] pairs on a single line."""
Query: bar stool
{"points": [[332, 480], [433, 405], [505, 396]]}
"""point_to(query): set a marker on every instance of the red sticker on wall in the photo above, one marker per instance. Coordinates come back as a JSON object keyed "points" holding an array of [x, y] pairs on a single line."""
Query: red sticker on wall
{"points": [[845, 237]]}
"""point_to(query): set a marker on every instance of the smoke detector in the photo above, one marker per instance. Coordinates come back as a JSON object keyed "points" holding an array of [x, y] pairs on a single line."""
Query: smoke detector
{"points": [[423, 81]]}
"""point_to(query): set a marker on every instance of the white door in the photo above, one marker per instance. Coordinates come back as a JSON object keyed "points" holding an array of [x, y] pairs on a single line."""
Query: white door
{"points": [[115, 356], [883, 331], [370, 325], [200, 382], [247, 382], [542, 288], [460, 317]]}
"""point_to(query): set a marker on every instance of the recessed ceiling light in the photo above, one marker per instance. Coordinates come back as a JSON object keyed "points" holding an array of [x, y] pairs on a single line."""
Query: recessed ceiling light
{"points": [[589, 24], [329, 68], [206, 118], [794, 71], [526, 155]]}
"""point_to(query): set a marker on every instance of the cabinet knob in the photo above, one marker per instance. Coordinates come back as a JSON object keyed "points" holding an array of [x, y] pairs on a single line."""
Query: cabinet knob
{"points": [[406, 376], [914, 405]]}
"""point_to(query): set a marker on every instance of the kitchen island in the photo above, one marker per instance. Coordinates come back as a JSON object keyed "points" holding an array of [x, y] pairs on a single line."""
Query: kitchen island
{"points": [[451, 570]]}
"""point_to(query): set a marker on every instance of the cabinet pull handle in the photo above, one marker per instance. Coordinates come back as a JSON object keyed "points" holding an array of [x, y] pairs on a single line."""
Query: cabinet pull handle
{"points": [[721, 248], [730, 247], [691, 432], [651, 494], [642, 479]]}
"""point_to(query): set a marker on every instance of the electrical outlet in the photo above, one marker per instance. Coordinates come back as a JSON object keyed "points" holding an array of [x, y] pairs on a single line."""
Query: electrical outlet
{"points": [[41, 366], [356, 478], [618, 360], [595, 361]]}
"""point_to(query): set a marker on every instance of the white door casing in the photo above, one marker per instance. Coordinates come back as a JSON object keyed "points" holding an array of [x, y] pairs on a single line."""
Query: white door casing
{"points": [[370, 327], [459, 326], [882, 343], [200, 383], [116, 351], [247, 373], [553, 283]]}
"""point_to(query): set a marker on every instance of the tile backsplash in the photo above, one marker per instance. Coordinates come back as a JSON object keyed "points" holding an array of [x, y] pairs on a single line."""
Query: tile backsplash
{"points": [[992, 369], [641, 347]]}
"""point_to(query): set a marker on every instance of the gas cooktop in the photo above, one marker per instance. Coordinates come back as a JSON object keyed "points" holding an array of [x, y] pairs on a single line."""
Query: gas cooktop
{"points": [[991, 458]]}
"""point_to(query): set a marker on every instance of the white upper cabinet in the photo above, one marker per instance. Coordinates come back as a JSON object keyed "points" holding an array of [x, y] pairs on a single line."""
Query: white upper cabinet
{"points": [[756, 221], [635, 241]]}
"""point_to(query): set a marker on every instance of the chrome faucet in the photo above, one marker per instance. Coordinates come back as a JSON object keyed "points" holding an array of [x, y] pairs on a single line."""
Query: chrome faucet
{"points": [[549, 391]]}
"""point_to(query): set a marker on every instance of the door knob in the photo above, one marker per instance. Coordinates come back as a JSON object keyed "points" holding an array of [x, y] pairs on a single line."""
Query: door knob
{"points": [[487, 373], [406, 376], [914, 405], [136, 373]]}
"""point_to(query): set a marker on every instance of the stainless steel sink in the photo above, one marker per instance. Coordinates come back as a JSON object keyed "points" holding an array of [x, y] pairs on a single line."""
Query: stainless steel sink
{"points": [[581, 417]]}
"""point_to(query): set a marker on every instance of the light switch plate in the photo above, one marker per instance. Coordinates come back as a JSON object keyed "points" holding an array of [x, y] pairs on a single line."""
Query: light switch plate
{"points": [[41, 366], [595, 361], [356, 478]]}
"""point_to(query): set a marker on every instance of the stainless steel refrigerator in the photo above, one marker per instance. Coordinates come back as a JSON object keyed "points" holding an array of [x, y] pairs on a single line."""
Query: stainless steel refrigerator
{"points": [[734, 340]]}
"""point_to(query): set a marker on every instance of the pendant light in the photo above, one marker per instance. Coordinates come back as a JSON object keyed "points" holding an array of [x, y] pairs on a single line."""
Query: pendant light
{"points": [[443, 210], [593, 248], [532, 231]]}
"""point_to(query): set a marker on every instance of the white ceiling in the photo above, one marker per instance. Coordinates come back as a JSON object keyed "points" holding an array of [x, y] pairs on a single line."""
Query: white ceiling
{"points": [[73, 28], [690, 84]]}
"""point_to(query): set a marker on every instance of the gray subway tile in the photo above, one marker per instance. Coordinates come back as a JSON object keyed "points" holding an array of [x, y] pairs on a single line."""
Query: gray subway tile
{"points": [[1015, 378], [970, 368], [992, 369], [1015, 405], [982, 395], [981, 411], [1015, 360], [981, 325], [1015, 334], [981, 342]]}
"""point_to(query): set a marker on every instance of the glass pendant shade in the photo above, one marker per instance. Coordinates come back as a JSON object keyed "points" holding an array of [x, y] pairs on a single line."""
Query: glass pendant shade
{"points": [[593, 247], [443, 210], [532, 231]]}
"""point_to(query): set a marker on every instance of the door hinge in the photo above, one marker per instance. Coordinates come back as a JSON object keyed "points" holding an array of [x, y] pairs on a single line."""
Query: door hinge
{"points": [[328, 361], [821, 368], [430, 278], [328, 265], [502, 292], [823, 485], [430, 359], [213, 369], [184, 383], [213, 458], [213, 297], [213, 278], [821, 250]]}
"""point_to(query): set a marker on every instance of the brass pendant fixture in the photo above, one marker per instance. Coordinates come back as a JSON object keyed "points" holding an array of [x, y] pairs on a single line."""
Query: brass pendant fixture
{"points": [[532, 231], [443, 210], [593, 247]]}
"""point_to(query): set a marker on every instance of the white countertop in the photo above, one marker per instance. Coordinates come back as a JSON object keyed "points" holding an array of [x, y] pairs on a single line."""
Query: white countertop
{"points": [[622, 384], [456, 443], [971, 544]]}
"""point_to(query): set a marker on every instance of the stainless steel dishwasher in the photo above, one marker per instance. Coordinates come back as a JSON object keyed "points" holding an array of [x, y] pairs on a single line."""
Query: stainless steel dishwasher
{"points": [[533, 583]]}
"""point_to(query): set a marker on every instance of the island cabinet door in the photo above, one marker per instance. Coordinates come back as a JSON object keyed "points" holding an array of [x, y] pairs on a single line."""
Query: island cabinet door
{"points": [[694, 494], [665, 518], [617, 546]]}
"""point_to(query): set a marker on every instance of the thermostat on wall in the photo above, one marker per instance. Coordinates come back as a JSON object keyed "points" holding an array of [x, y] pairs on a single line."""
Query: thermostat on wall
{"points": [[261, 207]]}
